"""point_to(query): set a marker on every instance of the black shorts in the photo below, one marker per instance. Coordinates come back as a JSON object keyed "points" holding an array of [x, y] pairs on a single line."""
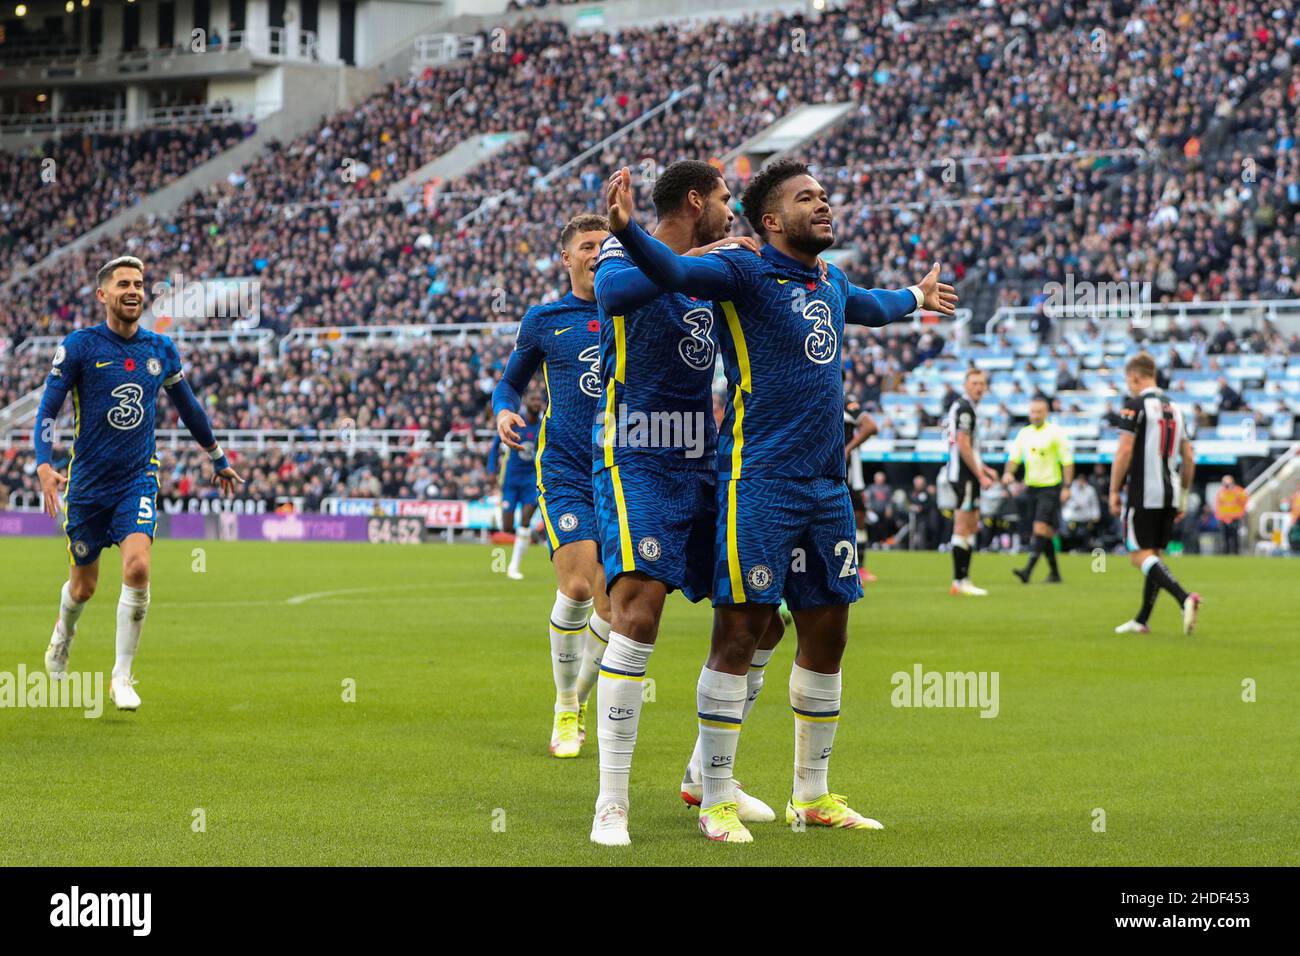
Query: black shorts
{"points": [[1148, 529], [967, 491], [1047, 505]]}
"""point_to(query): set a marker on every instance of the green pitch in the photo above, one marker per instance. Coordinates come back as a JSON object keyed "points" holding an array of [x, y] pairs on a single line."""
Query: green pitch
{"points": [[441, 758]]}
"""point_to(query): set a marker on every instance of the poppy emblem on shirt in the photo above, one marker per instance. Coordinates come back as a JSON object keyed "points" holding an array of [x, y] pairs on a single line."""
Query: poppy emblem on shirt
{"points": [[129, 365], [593, 325], [812, 286]]}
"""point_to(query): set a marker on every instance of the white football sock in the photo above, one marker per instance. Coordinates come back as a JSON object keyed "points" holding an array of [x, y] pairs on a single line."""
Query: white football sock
{"points": [[815, 700], [132, 607], [720, 698], [568, 624], [517, 555], [754, 684], [69, 610], [618, 712], [754, 678], [596, 639]]}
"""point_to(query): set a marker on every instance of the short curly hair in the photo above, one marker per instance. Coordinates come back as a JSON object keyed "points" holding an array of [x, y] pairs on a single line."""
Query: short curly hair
{"points": [[677, 181], [762, 189]]}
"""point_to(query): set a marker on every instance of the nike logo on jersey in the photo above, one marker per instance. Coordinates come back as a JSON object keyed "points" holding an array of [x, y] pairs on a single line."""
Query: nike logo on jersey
{"points": [[102, 364], [562, 331]]}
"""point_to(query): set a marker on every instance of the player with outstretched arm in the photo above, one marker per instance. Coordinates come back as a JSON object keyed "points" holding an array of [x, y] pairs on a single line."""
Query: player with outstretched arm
{"points": [[785, 524], [656, 501], [113, 371]]}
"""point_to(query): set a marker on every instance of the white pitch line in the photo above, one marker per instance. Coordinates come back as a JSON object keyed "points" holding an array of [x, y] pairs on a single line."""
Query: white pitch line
{"points": [[304, 598]]}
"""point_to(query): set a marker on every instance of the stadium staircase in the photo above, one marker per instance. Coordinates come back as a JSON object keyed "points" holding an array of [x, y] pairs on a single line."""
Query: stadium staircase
{"points": [[18, 414], [1274, 485], [458, 161]]}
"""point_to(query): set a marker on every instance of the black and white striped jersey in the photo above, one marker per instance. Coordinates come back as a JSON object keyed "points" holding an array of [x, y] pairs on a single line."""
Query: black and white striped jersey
{"points": [[1156, 424], [854, 473], [960, 418]]}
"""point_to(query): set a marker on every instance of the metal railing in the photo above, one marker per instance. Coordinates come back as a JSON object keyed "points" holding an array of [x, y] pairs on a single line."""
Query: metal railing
{"points": [[1159, 316], [439, 49], [115, 120], [345, 438], [261, 338], [88, 120]]}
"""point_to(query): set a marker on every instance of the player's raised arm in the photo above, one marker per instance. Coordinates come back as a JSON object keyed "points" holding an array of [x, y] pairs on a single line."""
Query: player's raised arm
{"points": [[877, 307], [65, 372], [620, 286], [196, 420], [705, 277], [508, 395]]}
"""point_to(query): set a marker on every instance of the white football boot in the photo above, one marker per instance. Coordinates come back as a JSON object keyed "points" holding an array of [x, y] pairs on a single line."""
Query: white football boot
{"points": [[122, 693], [609, 827], [56, 655]]}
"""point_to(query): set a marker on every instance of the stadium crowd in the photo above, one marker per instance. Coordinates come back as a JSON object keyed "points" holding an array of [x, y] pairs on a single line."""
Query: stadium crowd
{"points": [[1179, 165], [71, 183]]}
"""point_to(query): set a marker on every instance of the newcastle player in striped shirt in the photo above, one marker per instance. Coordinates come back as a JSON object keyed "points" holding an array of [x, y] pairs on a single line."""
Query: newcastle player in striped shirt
{"points": [[967, 475], [1152, 445]]}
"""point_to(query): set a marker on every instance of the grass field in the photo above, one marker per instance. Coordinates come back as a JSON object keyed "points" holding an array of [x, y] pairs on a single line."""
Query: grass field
{"points": [[242, 669]]}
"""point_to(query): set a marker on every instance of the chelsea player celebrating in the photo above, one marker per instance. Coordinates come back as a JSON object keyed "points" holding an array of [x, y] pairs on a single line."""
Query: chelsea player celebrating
{"points": [[785, 523], [113, 371], [656, 499], [563, 339]]}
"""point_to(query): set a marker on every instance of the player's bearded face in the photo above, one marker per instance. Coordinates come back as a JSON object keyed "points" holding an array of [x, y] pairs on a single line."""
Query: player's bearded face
{"points": [[124, 295], [715, 222], [806, 216]]}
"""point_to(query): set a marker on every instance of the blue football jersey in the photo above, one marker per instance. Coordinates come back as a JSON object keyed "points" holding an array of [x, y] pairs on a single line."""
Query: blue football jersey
{"points": [[657, 360], [563, 337], [782, 340], [114, 383]]}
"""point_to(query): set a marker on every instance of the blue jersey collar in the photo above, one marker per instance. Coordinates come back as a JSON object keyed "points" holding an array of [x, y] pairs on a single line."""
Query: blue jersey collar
{"points": [[778, 258]]}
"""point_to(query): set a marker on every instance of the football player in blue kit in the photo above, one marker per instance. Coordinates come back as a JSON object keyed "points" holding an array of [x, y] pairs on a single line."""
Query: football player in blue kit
{"points": [[562, 338], [113, 371], [785, 520], [655, 471], [518, 475]]}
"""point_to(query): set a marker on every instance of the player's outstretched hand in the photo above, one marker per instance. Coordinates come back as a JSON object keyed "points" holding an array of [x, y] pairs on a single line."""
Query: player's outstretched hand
{"points": [[745, 242], [228, 479], [939, 296], [507, 422], [51, 484], [618, 196]]}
